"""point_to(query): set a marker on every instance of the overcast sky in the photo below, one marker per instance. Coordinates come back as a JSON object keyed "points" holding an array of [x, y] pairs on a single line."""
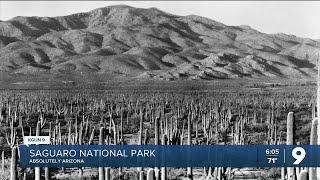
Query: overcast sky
{"points": [[298, 18]]}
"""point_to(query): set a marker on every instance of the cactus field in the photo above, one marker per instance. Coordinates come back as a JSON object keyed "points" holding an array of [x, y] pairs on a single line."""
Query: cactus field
{"points": [[176, 116]]}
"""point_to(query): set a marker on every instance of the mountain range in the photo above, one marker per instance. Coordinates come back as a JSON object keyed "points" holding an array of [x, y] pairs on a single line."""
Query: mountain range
{"points": [[126, 42]]}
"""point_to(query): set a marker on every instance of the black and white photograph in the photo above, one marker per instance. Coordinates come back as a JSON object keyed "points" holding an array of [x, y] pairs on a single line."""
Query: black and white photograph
{"points": [[196, 74]]}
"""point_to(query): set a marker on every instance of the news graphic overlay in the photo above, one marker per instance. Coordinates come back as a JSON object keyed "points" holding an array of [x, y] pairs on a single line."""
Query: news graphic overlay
{"points": [[169, 156], [29, 140]]}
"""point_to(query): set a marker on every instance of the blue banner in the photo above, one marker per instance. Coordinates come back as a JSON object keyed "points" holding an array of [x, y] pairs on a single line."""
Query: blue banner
{"points": [[169, 156]]}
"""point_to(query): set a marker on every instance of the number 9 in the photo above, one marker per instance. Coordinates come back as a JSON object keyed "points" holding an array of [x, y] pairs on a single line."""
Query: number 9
{"points": [[299, 157]]}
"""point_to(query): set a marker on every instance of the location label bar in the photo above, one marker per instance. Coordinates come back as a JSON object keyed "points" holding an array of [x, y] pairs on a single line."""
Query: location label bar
{"points": [[169, 156]]}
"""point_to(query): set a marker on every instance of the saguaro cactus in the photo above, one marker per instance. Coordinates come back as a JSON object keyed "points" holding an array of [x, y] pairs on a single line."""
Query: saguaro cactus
{"points": [[121, 127], [156, 142], [101, 138], [290, 141], [189, 169], [13, 167], [140, 169], [46, 173], [37, 169], [303, 175], [164, 169], [313, 141], [156, 131], [140, 128], [140, 175], [2, 161], [108, 173], [80, 173], [313, 134], [11, 137], [150, 174]]}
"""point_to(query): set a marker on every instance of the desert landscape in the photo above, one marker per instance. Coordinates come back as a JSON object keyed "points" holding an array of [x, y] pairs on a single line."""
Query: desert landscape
{"points": [[127, 75]]}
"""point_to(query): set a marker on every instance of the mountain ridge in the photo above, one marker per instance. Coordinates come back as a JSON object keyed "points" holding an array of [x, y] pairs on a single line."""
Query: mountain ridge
{"points": [[126, 42]]}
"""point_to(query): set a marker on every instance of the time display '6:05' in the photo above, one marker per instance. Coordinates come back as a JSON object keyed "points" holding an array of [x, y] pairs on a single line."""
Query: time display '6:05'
{"points": [[272, 151]]}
